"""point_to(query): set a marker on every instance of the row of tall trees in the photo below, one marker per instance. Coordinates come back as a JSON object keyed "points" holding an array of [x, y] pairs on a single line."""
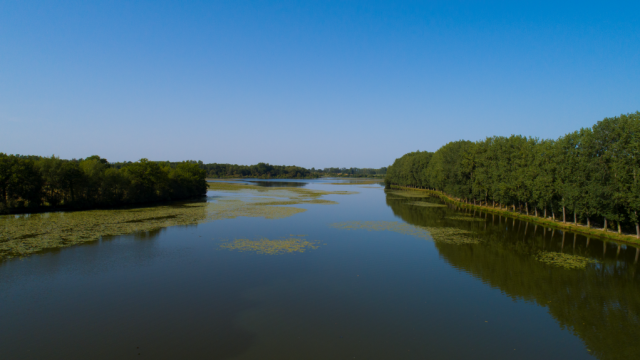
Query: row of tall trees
{"points": [[29, 183], [590, 175]]}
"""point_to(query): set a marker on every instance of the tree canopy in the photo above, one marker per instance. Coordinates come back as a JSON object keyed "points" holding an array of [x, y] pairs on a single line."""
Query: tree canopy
{"points": [[591, 173]]}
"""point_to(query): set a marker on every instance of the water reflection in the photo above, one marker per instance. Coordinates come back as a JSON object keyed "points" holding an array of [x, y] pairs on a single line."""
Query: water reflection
{"points": [[599, 303]]}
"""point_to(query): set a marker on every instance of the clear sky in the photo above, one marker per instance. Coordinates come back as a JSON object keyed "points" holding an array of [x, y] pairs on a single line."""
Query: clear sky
{"points": [[310, 83]]}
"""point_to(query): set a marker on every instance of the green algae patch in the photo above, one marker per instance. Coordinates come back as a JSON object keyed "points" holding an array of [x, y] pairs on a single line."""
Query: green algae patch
{"points": [[293, 193], [445, 234], [357, 182], [425, 204], [408, 194], [566, 261], [465, 218], [233, 208], [295, 202], [27, 234], [271, 247]]}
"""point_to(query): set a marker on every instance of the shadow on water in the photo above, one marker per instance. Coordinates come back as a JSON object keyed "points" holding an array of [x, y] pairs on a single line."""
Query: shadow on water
{"points": [[600, 303]]}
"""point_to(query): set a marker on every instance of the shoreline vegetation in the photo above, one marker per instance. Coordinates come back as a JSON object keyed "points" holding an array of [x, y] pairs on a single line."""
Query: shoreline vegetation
{"points": [[587, 181], [30, 184], [558, 224], [35, 184], [23, 235]]}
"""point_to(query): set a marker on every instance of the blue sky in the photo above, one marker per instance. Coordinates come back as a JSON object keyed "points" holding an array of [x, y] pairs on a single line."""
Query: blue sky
{"points": [[310, 83]]}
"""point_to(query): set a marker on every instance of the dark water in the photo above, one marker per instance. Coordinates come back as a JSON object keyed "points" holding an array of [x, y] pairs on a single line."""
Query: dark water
{"points": [[176, 293]]}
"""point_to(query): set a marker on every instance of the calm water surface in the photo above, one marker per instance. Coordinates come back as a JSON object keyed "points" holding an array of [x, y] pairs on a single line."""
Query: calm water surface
{"points": [[176, 293]]}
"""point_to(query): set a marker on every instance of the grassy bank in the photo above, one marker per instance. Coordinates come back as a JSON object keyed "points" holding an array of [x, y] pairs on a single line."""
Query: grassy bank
{"points": [[548, 222]]}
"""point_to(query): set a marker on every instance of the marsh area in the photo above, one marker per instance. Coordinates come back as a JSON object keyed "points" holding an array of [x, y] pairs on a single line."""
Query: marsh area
{"points": [[311, 269]]}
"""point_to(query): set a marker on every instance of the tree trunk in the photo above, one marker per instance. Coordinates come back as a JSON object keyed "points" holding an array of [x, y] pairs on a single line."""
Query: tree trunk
{"points": [[564, 214], [545, 212], [526, 207], [553, 214], [588, 223], [575, 217], [494, 203], [619, 227], [605, 225], [536, 211]]}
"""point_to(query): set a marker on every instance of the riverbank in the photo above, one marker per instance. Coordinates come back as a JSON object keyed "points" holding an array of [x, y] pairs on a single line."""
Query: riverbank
{"points": [[549, 222]]}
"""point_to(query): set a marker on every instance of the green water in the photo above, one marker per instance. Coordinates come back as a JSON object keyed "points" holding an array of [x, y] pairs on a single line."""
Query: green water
{"points": [[376, 276]]}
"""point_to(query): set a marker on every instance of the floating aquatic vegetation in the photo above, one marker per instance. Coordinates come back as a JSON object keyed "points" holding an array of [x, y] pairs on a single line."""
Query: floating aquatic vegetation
{"points": [[566, 261], [425, 204], [464, 218], [295, 202], [446, 234], [271, 247], [232, 208], [27, 234], [408, 194], [357, 182], [289, 192]]}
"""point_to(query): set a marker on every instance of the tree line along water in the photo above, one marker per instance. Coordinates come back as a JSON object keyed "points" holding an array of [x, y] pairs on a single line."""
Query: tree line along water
{"points": [[31, 183], [588, 176]]}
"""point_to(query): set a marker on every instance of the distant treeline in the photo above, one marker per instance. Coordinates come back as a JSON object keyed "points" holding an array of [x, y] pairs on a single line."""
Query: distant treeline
{"points": [[29, 183], [591, 174], [351, 172], [263, 170]]}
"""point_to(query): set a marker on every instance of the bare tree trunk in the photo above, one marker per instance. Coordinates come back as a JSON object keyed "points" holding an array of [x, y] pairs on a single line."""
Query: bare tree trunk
{"points": [[619, 227], [588, 223], [526, 207], [564, 214], [575, 217], [545, 212], [494, 203], [553, 214], [536, 211], [605, 225]]}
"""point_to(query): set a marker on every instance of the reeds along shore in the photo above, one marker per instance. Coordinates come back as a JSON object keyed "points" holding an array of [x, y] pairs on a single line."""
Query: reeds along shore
{"points": [[547, 221], [590, 176]]}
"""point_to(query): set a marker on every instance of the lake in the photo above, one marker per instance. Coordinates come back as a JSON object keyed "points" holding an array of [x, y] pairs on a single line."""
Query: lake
{"points": [[321, 270]]}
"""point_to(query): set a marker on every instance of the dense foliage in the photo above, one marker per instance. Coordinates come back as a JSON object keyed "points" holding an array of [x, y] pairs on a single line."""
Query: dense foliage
{"points": [[351, 172], [591, 174], [261, 170], [31, 183]]}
